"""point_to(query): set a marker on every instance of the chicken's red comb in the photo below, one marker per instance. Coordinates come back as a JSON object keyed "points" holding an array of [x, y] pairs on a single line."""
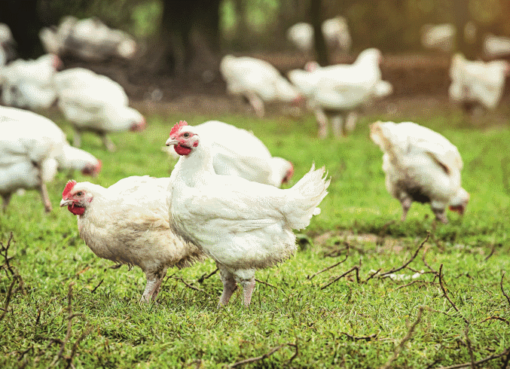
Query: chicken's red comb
{"points": [[178, 127], [68, 188]]}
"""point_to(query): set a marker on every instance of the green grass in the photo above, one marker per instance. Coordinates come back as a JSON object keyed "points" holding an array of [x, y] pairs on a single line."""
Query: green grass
{"points": [[185, 329]]}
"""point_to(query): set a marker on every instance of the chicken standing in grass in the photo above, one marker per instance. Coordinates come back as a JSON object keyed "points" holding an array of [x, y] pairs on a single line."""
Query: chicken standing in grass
{"points": [[242, 225], [238, 152], [95, 103], [32, 148], [128, 223], [420, 165]]}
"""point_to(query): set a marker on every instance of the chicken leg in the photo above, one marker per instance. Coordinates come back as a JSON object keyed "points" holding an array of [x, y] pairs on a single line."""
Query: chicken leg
{"points": [[257, 104], [248, 287], [337, 124], [154, 280], [350, 123], [440, 215], [45, 197], [6, 200], [77, 137], [110, 146], [406, 205], [229, 286], [322, 121]]}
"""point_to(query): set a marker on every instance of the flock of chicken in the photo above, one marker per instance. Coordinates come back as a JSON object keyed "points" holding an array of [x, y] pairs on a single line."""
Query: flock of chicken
{"points": [[222, 199]]}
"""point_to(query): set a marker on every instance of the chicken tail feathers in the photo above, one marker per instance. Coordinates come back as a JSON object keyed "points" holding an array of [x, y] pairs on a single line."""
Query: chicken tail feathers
{"points": [[307, 194]]}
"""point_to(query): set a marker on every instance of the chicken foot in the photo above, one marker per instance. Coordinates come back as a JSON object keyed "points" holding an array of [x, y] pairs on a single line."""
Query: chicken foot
{"points": [[256, 103], [229, 286], [45, 197], [77, 137], [154, 280], [322, 121], [406, 205], [110, 146], [338, 128]]}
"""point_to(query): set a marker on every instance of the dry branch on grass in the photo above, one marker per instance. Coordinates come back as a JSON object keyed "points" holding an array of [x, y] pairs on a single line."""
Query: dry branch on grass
{"points": [[407, 337], [354, 268], [409, 261], [469, 347], [63, 343], [329, 267], [414, 282], [266, 283], [360, 338], [207, 276], [502, 289], [476, 363], [495, 318], [11, 272], [445, 294], [188, 285], [266, 355]]}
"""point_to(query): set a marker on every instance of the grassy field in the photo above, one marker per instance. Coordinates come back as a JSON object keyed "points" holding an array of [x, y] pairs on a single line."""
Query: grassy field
{"points": [[295, 321]]}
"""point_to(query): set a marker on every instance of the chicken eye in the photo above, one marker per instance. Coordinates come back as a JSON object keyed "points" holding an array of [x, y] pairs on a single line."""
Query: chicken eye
{"points": [[186, 135], [79, 193]]}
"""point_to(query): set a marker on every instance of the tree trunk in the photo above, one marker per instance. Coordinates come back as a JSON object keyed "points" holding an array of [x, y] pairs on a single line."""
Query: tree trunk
{"points": [[23, 19], [320, 46]]}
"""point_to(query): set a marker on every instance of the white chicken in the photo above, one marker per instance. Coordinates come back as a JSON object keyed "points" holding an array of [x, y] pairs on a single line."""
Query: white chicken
{"points": [[95, 103], [128, 223], [338, 90], [335, 31], [438, 36], [32, 148], [238, 152], [69, 158], [89, 39], [29, 83], [258, 81], [6, 44], [477, 83], [242, 225], [420, 165], [496, 46]]}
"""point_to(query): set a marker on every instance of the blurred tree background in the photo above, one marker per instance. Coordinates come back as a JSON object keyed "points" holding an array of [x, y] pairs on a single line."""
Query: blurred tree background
{"points": [[179, 35]]}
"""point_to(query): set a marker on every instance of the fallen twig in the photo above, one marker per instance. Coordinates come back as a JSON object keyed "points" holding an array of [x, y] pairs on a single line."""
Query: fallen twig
{"points": [[70, 317], [266, 355], [502, 289], [267, 284], [188, 285], [496, 318], [207, 276], [408, 336], [427, 264], [491, 253], [413, 282], [445, 294], [469, 347], [488, 358], [371, 276], [409, 261], [360, 338], [95, 288], [329, 267], [354, 268]]}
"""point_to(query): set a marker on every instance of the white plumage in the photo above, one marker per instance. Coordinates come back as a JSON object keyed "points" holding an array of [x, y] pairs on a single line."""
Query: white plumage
{"points": [[240, 153], [257, 80], [29, 83], [420, 165], [335, 31], [496, 46], [438, 36], [242, 225], [89, 39], [128, 223], [95, 103], [477, 82], [340, 89]]}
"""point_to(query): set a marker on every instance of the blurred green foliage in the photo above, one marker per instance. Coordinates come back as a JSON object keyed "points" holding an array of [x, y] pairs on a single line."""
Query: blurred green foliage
{"points": [[391, 25]]}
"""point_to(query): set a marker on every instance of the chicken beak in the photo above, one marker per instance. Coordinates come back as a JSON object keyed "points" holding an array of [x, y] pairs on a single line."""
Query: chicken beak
{"points": [[66, 202], [171, 142]]}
